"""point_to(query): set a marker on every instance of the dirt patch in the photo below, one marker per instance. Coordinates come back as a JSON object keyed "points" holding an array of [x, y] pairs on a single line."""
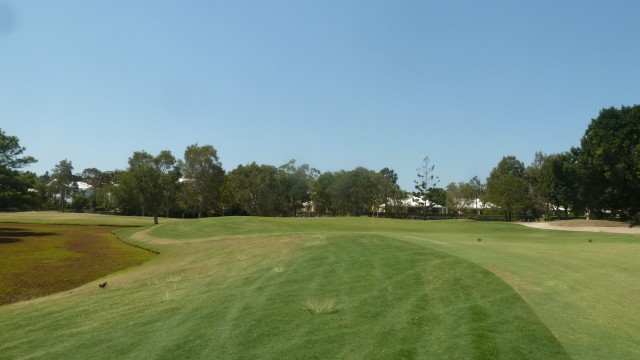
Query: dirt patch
{"points": [[37, 260]]}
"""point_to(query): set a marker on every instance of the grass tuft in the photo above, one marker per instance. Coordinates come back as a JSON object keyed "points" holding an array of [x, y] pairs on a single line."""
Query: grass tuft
{"points": [[243, 257], [174, 278], [318, 307], [166, 297]]}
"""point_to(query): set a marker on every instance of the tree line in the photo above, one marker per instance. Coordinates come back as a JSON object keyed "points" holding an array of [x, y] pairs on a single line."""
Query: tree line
{"points": [[194, 186], [600, 178]]}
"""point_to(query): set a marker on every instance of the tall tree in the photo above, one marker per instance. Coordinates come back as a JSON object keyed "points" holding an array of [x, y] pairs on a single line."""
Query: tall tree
{"points": [[152, 179], [539, 190], [100, 186], [455, 199], [170, 179], [559, 172], [203, 178], [608, 162], [507, 187], [127, 199], [62, 181], [250, 188], [393, 195], [295, 186], [465, 195], [14, 184], [390, 175], [322, 194], [424, 183], [437, 196], [11, 151], [478, 191], [364, 190]]}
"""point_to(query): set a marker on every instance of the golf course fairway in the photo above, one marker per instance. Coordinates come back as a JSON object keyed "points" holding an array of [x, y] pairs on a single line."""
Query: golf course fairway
{"points": [[345, 288]]}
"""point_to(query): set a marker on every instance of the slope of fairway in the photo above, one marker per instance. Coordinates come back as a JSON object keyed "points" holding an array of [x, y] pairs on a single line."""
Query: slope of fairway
{"points": [[584, 286], [250, 288], [585, 292]]}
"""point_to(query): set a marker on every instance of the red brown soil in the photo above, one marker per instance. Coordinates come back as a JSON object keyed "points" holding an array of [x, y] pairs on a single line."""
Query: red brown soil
{"points": [[37, 260]]}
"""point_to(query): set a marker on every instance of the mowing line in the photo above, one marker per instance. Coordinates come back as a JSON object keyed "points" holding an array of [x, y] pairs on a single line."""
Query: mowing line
{"points": [[430, 240]]}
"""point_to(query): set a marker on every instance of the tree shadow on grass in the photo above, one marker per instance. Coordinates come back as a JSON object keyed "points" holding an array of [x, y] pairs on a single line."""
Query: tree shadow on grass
{"points": [[12, 235]]}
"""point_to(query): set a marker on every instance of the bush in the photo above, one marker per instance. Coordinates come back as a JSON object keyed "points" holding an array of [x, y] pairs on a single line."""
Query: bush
{"points": [[79, 202]]}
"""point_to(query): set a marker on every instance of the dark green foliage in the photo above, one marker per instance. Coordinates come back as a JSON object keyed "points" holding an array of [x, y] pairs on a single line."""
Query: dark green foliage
{"points": [[150, 182], [62, 180], [437, 196], [203, 178], [392, 195], [601, 178], [559, 176], [323, 194], [11, 151], [15, 185], [609, 160], [80, 202], [16, 190], [356, 192], [250, 188], [507, 186]]}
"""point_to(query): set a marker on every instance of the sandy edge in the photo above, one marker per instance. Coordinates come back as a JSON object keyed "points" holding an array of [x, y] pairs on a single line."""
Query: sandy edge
{"points": [[614, 230]]}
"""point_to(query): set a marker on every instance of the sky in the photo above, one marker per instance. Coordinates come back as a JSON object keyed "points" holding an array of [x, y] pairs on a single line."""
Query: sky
{"points": [[334, 84]]}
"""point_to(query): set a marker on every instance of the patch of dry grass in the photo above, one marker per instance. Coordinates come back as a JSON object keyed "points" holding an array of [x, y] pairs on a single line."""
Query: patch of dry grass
{"points": [[321, 306], [38, 260]]}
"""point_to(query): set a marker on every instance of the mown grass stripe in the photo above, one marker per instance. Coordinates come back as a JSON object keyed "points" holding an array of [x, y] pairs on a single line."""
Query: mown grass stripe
{"points": [[400, 295]]}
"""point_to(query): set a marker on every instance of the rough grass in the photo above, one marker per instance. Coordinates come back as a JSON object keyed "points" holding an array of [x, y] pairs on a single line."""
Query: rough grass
{"points": [[405, 289], [321, 306], [37, 260]]}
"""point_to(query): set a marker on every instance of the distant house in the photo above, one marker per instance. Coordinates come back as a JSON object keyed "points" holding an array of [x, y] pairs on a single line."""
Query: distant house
{"points": [[416, 202], [476, 205], [309, 207], [84, 187]]}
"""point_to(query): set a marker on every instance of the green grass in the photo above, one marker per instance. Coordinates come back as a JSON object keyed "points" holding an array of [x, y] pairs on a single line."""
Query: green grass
{"points": [[241, 288]]}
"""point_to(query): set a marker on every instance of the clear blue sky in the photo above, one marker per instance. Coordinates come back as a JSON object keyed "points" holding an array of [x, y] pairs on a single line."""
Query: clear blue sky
{"points": [[335, 84]]}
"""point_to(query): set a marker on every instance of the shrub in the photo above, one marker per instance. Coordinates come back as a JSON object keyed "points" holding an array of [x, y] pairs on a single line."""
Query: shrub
{"points": [[80, 202]]}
